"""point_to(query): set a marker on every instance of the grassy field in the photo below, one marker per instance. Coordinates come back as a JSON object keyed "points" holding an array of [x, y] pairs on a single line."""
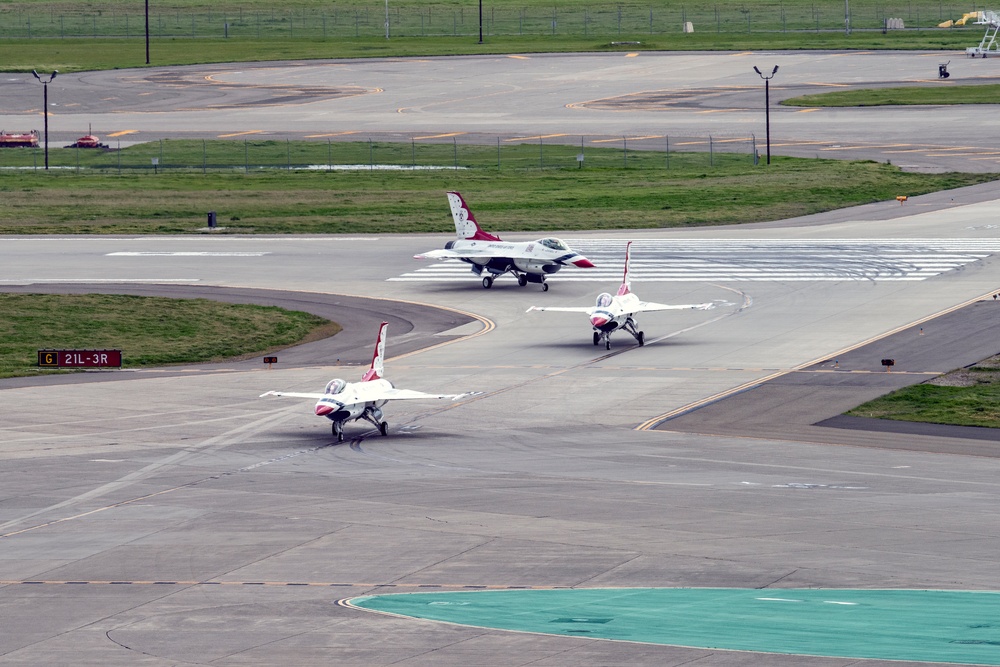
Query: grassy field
{"points": [[150, 331], [690, 192], [965, 397], [74, 55], [74, 36], [930, 94]]}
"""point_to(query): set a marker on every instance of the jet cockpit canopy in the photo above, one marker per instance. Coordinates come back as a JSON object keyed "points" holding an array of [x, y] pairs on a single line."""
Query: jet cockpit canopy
{"points": [[603, 300], [335, 386], [553, 243]]}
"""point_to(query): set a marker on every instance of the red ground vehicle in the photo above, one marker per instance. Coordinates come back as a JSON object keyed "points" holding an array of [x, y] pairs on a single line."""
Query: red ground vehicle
{"points": [[88, 141], [18, 139]]}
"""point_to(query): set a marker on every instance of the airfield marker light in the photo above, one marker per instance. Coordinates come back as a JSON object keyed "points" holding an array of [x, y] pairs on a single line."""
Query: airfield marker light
{"points": [[45, 108], [767, 106]]}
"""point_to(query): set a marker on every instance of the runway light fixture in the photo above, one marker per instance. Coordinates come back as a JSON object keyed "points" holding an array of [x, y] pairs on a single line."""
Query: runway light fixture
{"points": [[767, 106], [45, 109]]}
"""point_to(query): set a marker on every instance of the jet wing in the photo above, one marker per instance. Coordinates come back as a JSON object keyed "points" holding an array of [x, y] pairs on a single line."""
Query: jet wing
{"points": [[452, 254], [404, 394], [386, 395], [292, 394], [564, 309], [648, 306]]}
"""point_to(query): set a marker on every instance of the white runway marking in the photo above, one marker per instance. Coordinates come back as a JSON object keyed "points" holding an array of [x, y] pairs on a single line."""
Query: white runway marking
{"points": [[721, 260], [186, 254], [57, 281]]}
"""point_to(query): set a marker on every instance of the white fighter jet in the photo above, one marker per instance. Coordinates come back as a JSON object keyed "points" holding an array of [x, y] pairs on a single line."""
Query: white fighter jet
{"points": [[347, 401], [529, 262], [614, 313]]}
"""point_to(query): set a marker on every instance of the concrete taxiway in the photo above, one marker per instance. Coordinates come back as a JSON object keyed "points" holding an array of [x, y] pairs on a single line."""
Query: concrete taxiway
{"points": [[177, 519], [600, 98]]}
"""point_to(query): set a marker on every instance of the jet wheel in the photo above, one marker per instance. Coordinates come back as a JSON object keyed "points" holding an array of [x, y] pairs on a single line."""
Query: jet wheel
{"points": [[383, 428], [545, 287], [522, 280], [487, 282], [641, 338], [338, 432], [597, 338], [607, 344]]}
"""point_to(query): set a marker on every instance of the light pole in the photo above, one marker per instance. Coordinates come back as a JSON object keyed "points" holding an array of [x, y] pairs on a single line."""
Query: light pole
{"points": [[45, 109], [767, 106], [480, 21], [147, 32]]}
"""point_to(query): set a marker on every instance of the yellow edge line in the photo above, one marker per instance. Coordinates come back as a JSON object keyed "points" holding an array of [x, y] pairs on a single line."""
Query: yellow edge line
{"points": [[440, 136], [239, 134]]}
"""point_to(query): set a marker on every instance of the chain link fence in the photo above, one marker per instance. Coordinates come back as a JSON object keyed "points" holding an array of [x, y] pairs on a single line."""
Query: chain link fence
{"points": [[381, 20], [393, 152]]}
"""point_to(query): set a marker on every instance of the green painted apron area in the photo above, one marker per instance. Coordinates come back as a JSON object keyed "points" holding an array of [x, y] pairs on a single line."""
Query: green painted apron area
{"points": [[961, 627]]}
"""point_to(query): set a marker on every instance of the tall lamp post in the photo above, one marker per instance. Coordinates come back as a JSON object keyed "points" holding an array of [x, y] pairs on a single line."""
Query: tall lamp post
{"points": [[45, 109], [767, 106], [147, 32], [480, 21]]}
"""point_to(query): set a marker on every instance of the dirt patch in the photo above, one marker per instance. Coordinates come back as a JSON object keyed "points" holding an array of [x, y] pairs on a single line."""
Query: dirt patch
{"points": [[985, 372]]}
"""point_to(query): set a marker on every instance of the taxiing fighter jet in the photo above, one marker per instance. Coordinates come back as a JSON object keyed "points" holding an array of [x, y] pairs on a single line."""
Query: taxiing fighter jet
{"points": [[347, 401], [614, 313], [529, 262]]}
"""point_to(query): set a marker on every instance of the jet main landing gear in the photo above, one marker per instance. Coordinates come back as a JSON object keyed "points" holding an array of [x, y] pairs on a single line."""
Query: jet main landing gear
{"points": [[630, 326], [374, 417], [522, 279]]}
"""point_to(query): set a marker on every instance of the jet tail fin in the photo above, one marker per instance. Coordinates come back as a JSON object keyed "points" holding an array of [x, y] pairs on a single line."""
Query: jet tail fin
{"points": [[465, 223], [626, 287], [377, 370]]}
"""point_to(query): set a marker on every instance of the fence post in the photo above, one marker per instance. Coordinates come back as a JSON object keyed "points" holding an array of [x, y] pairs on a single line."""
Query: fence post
{"points": [[329, 156], [288, 154], [624, 153], [204, 156], [246, 157], [371, 155], [498, 153], [667, 137], [541, 154], [711, 152], [413, 147]]}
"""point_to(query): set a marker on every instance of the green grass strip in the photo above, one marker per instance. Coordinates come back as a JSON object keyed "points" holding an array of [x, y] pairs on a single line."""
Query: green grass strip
{"points": [[150, 331], [908, 95], [963, 397], [654, 191]]}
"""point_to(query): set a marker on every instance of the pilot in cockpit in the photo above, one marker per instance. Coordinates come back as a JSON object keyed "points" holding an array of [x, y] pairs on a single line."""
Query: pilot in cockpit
{"points": [[553, 243], [603, 300], [335, 386]]}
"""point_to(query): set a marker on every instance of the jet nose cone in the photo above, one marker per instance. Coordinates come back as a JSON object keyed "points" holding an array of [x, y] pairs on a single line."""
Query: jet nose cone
{"points": [[323, 410], [598, 320], [583, 263]]}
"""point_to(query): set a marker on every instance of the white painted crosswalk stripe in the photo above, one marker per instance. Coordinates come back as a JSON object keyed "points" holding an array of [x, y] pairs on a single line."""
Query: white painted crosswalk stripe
{"points": [[738, 260]]}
